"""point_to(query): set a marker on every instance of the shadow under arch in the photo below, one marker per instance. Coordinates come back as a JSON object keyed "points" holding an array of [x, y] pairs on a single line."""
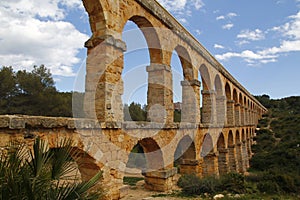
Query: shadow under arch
{"points": [[236, 108], [231, 152], [220, 101], [208, 155], [146, 156], [184, 153], [222, 158], [82, 165], [207, 96], [239, 157], [229, 105]]}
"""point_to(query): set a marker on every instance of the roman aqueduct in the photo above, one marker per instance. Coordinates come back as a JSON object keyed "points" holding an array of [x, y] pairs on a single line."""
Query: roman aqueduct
{"points": [[212, 138]]}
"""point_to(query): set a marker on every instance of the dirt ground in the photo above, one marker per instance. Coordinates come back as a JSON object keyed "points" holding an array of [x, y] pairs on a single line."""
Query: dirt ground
{"points": [[139, 193]]}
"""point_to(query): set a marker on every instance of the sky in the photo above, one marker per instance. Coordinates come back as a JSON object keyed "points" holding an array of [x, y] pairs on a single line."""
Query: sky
{"points": [[258, 42]]}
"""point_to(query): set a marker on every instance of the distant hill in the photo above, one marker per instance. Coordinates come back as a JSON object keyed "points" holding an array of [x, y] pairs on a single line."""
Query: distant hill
{"points": [[277, 149]]}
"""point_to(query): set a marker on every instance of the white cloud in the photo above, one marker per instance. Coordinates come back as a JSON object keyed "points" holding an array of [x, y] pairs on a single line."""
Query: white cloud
{"points": [[251, 35], [181, 8], [242, 42], [180, 5], [198, 4], [218, 46], [183, 20], [228, 16], [231, 15], [221, 17], [173, 5], [247, 54], [198, 32], [35, 33], [290, 42], [228, 26]]}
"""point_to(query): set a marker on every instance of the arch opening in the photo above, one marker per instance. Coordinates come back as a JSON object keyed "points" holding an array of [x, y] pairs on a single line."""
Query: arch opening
{"points": [[142, 42], [239, 156], [207, 96], [220, 101], [145, 156], [231, 153], [222, 158], [185, 152], [209, 158], [184, 96]]}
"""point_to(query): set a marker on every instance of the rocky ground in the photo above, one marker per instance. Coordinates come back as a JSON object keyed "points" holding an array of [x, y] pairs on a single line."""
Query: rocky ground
{"points": [[139, 193]]}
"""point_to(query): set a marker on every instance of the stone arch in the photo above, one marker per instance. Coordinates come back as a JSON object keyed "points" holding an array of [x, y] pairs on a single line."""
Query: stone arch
{"points": [[248, 133], [207, 145], [96, 15], [151, 36], [136, 160], [87, 165], [229, 105], [220, 101], [84, 165], [245, 111], [205, 77], [243, 138], [235, 96], [207, 115], [239, 152], [231, 152], [228, 91], [242, 113], [189, 87], [221, 142], [185, 155], [153, 154], [186, 62], [218, 86], [244, 150], [236, 108], [241, 99], [209, 165], [134, 88], [159, 94], [223, 155]]}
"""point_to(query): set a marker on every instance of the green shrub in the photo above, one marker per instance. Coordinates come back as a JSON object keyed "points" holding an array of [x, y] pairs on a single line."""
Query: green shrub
{"points": [[268, 187], [131, 180], [277, 181], [190, 184], [40, 173], [233, 183], [193, 185]]}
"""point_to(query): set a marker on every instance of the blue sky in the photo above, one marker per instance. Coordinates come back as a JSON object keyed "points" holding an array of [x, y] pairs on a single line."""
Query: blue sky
{"points": [[258, 42]]}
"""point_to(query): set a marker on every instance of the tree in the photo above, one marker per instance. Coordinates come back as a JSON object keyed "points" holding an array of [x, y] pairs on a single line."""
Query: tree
{"points": [[7, 87], [135, 112], [40, 173], [32, 93]]}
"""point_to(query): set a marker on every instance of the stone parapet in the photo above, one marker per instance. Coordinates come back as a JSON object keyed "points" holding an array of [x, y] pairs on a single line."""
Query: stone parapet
{"points": [[15, 122]]}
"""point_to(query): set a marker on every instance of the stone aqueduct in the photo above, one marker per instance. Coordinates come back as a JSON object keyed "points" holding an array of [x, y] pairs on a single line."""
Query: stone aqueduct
{"points": [[215, 140]]}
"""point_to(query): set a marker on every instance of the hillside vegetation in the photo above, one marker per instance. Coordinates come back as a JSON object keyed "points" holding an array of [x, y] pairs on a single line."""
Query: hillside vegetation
{"points": [[277, 149]]}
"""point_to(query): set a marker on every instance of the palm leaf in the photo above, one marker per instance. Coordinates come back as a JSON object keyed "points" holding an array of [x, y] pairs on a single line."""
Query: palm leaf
{"points": [[61, 160]]}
